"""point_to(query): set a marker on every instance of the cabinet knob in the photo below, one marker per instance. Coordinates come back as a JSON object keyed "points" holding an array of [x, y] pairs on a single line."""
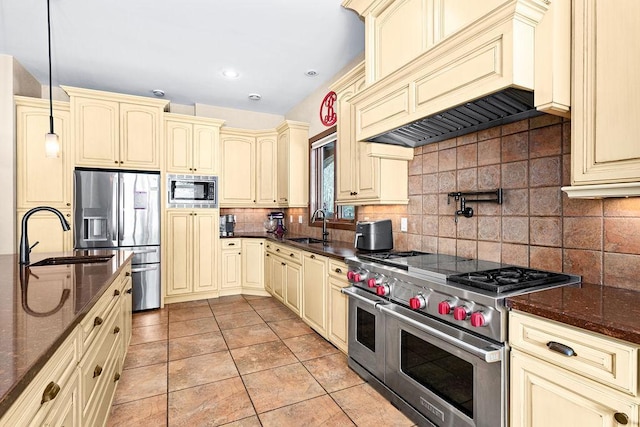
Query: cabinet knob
{"points": [[68, 215], [68, 204], [50, 392], [116, 162], [195, 214], [260, 243], [338, 270], [312, 256], [97, 371], [194, 169], [254, 201], [190, 169], [116, 330], [239, 253], [266, 255], [282, 263], [127, 274], [116, 293], [97, 321], [278, 250], [116, 377], [291, 255], [121, 162], [621, 418], [129, 290]]}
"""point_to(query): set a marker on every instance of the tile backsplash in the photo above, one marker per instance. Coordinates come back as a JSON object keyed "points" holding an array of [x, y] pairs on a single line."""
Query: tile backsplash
{"points": [[537, 225]]}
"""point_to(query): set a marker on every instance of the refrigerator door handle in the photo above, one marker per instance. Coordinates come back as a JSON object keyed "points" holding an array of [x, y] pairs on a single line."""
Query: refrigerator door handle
{"points": [[120, 209], [114, 211], [141, 270]]}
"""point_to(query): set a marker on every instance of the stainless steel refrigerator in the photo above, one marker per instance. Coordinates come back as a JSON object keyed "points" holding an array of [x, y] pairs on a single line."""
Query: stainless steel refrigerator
{"points": [[121, 210]]}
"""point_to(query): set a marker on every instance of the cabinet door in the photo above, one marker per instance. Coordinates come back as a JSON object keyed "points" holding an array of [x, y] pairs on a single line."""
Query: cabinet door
{"points": [[45, 227], [345, 146], [338, 312], [97, 131], [179, 252], [293, 284], [238, 175], [278, 277], [368, 173], [314, 293], [206, 228], [205, 149], [231, 269], [139, 136], [267, 273], [253, 264], [179, 147], [266, 161], [283, 168], [544, 395], [42, 180]]}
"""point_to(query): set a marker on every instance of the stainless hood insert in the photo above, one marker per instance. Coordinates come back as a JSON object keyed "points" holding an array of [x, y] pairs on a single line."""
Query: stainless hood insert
{"points": [[502, 107]]}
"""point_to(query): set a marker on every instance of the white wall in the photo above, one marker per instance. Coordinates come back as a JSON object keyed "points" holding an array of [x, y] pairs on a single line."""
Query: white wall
{"points": [[239, 118], [14, 80], [308, 110]]}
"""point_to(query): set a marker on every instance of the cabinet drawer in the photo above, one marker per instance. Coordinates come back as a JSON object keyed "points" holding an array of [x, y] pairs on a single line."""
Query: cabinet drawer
{"points": [[100, 355], [94, 322], [100, 403], [338, 269], [29, 408], [288, 253], [231, 243], [606, 360]]}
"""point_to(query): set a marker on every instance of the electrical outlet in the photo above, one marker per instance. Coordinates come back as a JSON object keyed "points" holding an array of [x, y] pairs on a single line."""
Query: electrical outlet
{"points": [[291, 219], [299, 219], [403, 224]]}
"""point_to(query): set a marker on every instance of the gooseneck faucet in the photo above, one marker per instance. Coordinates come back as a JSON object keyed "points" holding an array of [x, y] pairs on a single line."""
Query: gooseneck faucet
{"points": [[25, 249], [314, 217]]}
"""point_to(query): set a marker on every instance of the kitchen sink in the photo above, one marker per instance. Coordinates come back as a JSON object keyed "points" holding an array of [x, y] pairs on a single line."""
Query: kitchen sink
{"points": [[307, 240], [79, 259]]}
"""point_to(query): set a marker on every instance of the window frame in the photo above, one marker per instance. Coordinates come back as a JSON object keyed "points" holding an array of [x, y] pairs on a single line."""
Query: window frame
{"points": [[340, 224]]}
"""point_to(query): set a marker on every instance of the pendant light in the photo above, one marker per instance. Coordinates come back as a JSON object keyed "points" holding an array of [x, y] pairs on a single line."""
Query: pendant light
{"points": [[51, 143]]}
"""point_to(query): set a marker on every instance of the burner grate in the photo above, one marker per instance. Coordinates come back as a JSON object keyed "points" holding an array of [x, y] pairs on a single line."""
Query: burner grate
{"points": [[508, 279]]}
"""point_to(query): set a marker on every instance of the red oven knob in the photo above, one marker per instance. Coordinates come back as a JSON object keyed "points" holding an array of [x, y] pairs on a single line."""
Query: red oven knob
{"points": [[477, 319], [417, 302], [461, 313], [351, 275], [382, 290], [444, 307], [373, 282]]}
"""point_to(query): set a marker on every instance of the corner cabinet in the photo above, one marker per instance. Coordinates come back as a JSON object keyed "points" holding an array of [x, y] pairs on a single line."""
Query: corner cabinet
{"points": [[191, 262], [605, 153], [366, 173], [593, 384], [192, 144], [115, 130]]}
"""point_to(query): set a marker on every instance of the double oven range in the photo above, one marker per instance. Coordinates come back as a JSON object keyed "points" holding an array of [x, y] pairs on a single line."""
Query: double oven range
{"points": [[429, 332]]}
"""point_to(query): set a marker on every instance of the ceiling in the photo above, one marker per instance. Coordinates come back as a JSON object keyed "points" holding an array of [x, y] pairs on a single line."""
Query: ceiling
{"points": [[182, 47]]}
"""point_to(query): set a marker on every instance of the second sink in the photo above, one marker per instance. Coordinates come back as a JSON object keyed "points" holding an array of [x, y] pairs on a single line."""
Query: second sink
{"points": [[307, 240]]}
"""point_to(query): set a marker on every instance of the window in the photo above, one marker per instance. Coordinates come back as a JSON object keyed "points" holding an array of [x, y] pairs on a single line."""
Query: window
{"points": [[323, 180]]}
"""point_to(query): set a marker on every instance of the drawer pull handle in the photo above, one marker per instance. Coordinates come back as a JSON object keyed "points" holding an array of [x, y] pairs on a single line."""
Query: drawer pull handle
{"points": [[621, 418], [129, 290], [232, 244], [116, 330], [292, 255], [561, 348], [97, 321], [97, 371], [116, 293], [338, 270], [277, 249], [50, 392], [282, 263], [116, 377]]}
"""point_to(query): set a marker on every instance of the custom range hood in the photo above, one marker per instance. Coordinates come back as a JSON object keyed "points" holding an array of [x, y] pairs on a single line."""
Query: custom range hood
{"points": [[503, 107], [509, 64]]}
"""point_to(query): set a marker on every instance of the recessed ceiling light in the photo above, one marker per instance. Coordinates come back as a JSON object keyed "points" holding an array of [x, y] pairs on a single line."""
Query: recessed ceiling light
{"points": [[158, 92], [311, 73], [255, 96], [230, 74]]}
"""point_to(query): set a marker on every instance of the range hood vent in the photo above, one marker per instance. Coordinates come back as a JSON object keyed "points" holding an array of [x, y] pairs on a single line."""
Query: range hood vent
{"points": [[502, 107]]}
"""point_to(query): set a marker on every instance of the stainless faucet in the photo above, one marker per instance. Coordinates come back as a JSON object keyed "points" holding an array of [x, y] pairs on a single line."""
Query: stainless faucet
{"points": [[314, 217], [25, 249]]}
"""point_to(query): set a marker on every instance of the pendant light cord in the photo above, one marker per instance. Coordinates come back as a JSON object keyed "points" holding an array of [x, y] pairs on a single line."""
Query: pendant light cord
{"points": [[50, 88]]}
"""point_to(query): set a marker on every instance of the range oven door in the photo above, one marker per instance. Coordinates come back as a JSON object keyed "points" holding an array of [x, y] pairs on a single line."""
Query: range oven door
{"points": [[452, 377], [366, 331]]}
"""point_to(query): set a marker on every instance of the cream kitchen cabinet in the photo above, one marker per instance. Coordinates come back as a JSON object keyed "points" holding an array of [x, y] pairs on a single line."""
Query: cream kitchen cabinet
{"points": [[42, 180], [366, 174], [605, 154], [561, 375], [253, 267], [293, 164], [286, 274], [248, 168], [337, 305], [192, 144], [45, 228], [231, 266], [191, 256], [314, 292], [115, 130]]}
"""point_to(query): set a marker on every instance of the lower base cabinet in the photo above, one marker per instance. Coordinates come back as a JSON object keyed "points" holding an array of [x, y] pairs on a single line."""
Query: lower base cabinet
{"points": [[337, 305], [285, 274], [314, 292]]}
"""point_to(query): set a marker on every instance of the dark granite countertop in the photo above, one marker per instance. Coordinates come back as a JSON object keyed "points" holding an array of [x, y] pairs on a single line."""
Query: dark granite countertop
{"points": [[336, 250], [37, 314], [607, 310]]}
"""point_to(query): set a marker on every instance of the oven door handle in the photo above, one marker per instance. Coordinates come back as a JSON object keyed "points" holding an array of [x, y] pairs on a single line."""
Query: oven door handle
{"points": [[488, 356], [353, 292]]}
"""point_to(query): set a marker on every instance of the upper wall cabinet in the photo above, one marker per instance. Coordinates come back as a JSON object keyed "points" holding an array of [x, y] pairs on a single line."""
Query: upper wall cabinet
{"points": [[605, 152], [293, 164], [192, 144], [366, 173], [423, 57], [114, 130]]}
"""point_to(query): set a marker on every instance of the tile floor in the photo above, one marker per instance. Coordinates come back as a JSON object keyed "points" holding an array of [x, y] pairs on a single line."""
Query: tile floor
{"points": [[239, 361]]}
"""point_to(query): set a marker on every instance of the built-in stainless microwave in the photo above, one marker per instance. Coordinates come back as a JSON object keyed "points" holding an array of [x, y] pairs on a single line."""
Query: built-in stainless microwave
{"points": [[192, 191]]}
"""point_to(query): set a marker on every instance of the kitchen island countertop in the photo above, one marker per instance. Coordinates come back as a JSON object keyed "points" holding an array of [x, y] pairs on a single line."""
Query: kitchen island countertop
{"points": [[614, 312], [37, 313]]}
